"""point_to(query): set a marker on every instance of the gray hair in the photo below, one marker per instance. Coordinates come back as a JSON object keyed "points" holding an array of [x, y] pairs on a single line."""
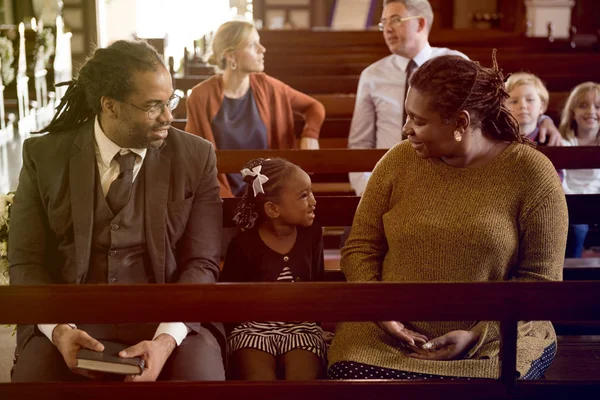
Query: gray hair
{"points": [[417, 7]]}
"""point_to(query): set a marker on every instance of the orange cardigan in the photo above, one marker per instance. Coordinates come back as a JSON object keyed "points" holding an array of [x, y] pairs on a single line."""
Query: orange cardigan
{"points": [[276, 103]]}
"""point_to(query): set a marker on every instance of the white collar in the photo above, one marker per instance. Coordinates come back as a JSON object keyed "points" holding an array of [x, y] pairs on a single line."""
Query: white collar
{"points": [[419, 59]]}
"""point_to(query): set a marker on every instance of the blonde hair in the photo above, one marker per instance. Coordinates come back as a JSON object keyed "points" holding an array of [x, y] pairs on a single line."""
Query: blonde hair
{"points": [[523, 78], [568, 126], [230, 36]]}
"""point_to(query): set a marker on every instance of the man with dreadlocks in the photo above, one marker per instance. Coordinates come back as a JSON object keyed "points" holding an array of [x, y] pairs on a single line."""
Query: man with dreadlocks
{"points": [[465, 199], [114, 195]]}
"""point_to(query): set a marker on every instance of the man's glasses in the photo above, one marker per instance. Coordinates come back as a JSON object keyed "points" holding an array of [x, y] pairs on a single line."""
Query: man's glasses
{"points": [[395, 21], [156, 110]]}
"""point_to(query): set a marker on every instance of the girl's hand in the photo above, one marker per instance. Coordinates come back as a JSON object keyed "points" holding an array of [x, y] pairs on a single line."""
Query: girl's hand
{"points": [[405, 336], [451, 346]]}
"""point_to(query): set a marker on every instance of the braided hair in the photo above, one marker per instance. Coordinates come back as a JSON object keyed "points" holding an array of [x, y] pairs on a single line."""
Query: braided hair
{"points": [[108, 72], [452, 80], [250, 209]]}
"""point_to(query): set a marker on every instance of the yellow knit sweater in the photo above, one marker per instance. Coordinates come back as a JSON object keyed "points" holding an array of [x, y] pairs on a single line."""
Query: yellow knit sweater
{"points": [[424, 221]]}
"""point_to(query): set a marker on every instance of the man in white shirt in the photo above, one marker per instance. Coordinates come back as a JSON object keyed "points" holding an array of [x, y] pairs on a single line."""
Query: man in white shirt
{"points": [[114, 195], [378, 115]]}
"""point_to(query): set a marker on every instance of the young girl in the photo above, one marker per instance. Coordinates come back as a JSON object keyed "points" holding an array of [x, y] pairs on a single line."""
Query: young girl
{"points": [[580, 126], [280, 243], [527, 102]]}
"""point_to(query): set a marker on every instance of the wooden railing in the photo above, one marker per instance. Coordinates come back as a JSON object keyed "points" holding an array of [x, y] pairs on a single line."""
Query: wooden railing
{"points": [[505, 302], [359, 160]]}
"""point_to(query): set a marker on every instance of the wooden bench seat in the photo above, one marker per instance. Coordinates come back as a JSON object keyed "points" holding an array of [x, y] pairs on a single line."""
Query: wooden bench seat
{"points": [[498, 301]]}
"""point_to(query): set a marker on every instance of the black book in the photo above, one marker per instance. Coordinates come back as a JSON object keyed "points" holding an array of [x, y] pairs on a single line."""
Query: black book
{"points": [[109, 360]]}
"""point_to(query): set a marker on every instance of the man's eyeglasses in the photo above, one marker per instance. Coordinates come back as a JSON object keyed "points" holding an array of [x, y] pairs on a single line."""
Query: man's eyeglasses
{"points": [[156, 110], [395, 21]]}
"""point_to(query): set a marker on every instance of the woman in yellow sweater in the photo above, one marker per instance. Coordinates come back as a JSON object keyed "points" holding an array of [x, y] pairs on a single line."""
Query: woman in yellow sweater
{"points": [[465, 199]]}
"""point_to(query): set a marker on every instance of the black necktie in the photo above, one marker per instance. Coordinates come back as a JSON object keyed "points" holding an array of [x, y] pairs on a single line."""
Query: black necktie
{"points": [[120, 189], [410, 68]]}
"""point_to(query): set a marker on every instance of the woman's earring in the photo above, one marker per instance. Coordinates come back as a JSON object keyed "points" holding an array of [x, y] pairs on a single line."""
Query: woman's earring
{"points": [[457, 135], [233, 65]]}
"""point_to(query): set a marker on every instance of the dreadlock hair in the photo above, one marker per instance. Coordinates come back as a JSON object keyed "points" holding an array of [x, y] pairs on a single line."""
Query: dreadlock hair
{"points": [[108, 72], [250, 209], [453, 83]]}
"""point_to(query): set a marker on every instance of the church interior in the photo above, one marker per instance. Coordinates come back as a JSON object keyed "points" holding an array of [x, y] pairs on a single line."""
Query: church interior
{"points": [[323, 49]]}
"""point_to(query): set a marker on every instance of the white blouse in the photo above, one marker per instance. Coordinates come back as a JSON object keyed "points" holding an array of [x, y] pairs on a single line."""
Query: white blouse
{"points": [[580, 181]]}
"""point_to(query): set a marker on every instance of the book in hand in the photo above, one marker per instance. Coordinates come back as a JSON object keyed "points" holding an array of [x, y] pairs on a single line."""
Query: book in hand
{"points": [[109, 360]]}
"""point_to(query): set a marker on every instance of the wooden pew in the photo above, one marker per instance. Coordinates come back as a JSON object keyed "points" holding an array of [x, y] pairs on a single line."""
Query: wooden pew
{"points": [[338, 211], [339, 109], [359, 160], [498, 301], [346, 41], [353, 64], [324, 84], [330, 62]]}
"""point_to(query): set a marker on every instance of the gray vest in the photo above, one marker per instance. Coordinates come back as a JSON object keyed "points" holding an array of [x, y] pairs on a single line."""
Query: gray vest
{"points": [[118, 256], [118, 251]]}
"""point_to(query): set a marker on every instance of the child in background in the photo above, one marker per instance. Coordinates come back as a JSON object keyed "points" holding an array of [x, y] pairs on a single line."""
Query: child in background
{"points": [[528, 102], [280, 243], [580, 126]]}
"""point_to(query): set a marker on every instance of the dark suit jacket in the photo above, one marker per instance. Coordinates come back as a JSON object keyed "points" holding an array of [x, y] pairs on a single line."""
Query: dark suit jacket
{"points": [[55, 200]]}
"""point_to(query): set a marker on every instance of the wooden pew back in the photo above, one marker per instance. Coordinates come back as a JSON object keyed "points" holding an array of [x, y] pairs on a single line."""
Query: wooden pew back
{"points": [[506, 302]]}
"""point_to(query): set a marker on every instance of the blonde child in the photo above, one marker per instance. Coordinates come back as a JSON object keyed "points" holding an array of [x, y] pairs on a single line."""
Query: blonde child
{"points": [[528, 102], [580, 126], [280, 243]]}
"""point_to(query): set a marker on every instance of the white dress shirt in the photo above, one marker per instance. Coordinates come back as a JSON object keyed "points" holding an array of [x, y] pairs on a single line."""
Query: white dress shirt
{"points": [[580, 181], [379, 107], [109, 169]]}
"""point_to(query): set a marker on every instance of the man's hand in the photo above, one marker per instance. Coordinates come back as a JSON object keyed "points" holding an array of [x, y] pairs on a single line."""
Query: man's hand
{"points": [[547, 128], [405, 336], [450, 346], [154, 353], [68, 341]]}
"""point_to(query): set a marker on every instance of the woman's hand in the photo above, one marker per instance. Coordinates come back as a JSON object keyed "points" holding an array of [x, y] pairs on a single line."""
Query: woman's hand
{"points": [[308, 143], [451, 346], [405, 336]]}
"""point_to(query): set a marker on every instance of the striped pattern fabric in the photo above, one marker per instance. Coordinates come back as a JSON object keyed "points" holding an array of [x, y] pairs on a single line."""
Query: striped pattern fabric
{"points": [[277, 338]]}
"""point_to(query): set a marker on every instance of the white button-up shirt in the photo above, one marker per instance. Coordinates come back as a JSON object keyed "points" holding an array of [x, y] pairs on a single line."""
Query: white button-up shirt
{"points": [[580, 181], [379, 108]]}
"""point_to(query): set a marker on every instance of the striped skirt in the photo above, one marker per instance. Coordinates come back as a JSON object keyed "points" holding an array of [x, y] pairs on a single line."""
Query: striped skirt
{"points": [[277, 338]]}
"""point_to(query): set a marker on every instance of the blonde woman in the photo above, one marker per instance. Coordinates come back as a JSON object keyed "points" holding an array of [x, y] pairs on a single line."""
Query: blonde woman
{"points": [[580, 126], [243, 108]]}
